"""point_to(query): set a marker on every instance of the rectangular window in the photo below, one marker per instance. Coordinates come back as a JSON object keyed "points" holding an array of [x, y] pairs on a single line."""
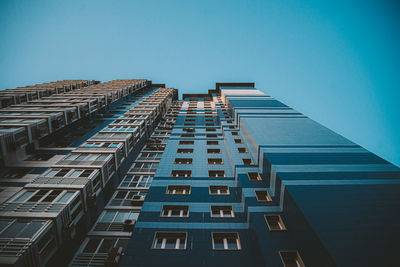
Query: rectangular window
{"points": [[189, 124], [235, 133], [248, 162], [185, 150], [216, 174], [219, 190], [212, 142], [113, 220], [189, 130], [175, 211], [232, 127], [214, 151], [275, 223], [291, 258], [242, 150], [222, 212], [181, 174], [211, 130], [226, 241], [178, 190], [186, 142], [187, 135], [238, 141], [190, 120], [136, 181], [169, 240], [129, 198], [254, 176], [211, 135], [263, 196], [215, 161], [183, 161]]}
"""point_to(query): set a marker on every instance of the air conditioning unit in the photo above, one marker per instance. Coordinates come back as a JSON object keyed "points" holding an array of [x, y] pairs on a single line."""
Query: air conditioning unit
{"points": [[129, 225]]}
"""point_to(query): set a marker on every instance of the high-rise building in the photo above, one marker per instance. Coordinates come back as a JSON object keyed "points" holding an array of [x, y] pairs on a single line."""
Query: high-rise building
{"points": [[124, 174]]}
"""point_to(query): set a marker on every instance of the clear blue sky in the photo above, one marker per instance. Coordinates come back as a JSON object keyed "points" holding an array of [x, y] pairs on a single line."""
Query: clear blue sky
{"points": [[338, 62]]}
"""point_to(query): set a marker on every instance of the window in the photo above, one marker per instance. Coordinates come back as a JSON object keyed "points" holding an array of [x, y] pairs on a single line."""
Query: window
{"points": [[216, 174], [186, 142], [219, 190], [226, 241], [187, 135], [275, 223], [211, 130], [181, 174], [169, 240], [103, 245], [229, 121], [43, 195], [222, 212], [213, 151], [131, 198], [189, 124], [113, 220], [291, 258], [263, 195], [248, 162], [185, 150], [232, 127], [211, 135], [215, 161], [212, 142], [254, 176], [175, 211], [39, 157], [183, 161], [136, 181], [235, 133], [189, 130], [11, 228], [144, 166], [238, 141], [178, 190], [242, 150], [86, 173], [11, 173], [190, 120]]}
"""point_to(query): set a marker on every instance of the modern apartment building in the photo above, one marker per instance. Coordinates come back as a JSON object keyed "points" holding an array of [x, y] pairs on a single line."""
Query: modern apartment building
{"points": [[132, 176]]}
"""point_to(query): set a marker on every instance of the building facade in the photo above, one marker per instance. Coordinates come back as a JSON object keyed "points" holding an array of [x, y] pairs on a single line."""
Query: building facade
{"points": [[123, 173]]}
